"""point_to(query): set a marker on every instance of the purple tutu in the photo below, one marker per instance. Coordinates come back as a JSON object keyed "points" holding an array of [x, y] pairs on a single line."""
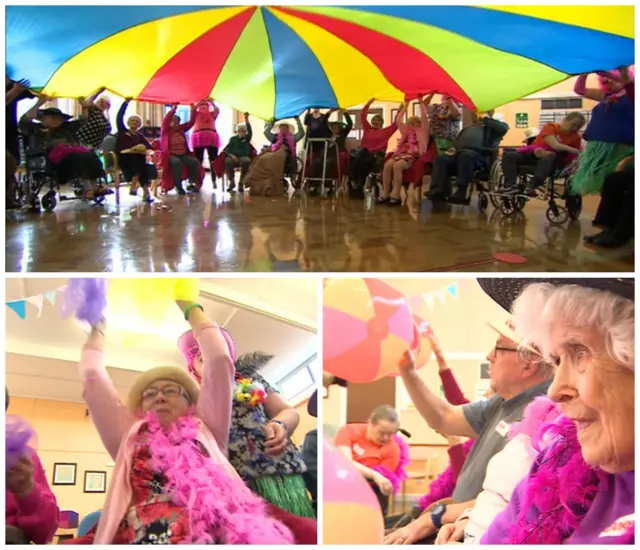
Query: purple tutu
{"points": [[205, 138]]}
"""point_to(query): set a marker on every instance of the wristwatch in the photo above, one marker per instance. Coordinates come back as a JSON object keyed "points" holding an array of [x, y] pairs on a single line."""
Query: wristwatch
{"points": [[436, 515]]}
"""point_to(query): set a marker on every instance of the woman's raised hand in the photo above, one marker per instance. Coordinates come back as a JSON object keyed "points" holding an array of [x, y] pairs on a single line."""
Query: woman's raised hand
{"points": [[407, 363]]}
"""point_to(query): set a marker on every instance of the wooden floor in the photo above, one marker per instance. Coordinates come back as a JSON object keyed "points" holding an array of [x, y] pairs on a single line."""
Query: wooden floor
{"points": [[218, 232]]}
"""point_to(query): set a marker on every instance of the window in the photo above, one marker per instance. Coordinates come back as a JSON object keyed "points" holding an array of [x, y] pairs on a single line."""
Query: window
{"points": [[561, 103], [299, 384], [357, 131]]}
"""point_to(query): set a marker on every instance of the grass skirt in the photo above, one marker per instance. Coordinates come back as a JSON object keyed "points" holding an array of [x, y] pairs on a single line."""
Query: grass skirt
{"points": [[287, 492], [598, 161]]}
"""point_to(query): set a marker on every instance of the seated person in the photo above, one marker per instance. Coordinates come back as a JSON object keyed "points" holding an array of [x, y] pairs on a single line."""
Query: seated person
{"points": [[517, 377], [31, 510], [284, 138], [131, 149], [555, 146], [238, 154], [373, 146], [617, 207], [444, 121], [57, 134], [175, 148], [373, 450], [98, 127], [471, 151]]}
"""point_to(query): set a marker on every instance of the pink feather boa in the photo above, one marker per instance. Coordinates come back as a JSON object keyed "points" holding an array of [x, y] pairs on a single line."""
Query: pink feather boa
{"points": [[221, 508], [400, 474], [281, 139], [560, 490]]}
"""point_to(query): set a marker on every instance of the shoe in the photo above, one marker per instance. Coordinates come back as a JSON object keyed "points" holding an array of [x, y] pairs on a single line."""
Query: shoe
{"points": [[241, 189], [13, 205], [181, 190], [609, 239], [232, 187], [382, 200], [394, 202], [459, 198]]}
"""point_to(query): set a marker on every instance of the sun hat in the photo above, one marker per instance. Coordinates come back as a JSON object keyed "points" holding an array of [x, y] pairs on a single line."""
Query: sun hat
{"points": [[52, 111], [174, 374], [531, 133], [505, 291], [508, 330]]}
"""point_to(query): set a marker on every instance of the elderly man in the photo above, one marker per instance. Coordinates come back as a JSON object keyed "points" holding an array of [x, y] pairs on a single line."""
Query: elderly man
{"points": [[518, 376], [373, 449]]}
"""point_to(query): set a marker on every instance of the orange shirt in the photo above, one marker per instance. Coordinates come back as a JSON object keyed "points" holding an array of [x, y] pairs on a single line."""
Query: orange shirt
{"points": [[366, 452], [572, 139]]}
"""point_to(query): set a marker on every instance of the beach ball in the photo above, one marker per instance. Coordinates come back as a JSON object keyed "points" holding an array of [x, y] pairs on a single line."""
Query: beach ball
{"points": [[350, 510], [367, 327], [421, 345]]}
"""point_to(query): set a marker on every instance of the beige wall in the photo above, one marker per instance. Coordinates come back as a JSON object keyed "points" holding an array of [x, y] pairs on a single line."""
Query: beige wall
{"points": [[307, 423], [65, 434]]}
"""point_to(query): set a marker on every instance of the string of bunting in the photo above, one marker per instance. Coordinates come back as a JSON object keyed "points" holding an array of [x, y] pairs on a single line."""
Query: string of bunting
{"points": [[441, 295], [19, 307]]}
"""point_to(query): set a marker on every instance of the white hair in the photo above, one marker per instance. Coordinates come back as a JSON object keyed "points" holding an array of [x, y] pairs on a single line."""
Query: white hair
{"points": [[134, 116], [241, 126], [541, 305]]}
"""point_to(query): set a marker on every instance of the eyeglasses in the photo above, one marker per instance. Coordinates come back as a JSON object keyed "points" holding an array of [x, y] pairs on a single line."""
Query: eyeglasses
{"points": [[524, 354], [167, 391]]}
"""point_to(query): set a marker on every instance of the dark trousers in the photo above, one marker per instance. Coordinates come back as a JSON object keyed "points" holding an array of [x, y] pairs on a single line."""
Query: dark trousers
{"points": [[83, 166], [10, 169], [13, 535], [616, 208], [135, 165], [212, 152], [543, 167], [383, 500], [362, 164], [462, 165]]}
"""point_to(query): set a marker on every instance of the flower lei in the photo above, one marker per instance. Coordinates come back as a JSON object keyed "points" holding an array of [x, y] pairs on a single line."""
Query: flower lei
{"points": [[249, 392], [408, 144]]}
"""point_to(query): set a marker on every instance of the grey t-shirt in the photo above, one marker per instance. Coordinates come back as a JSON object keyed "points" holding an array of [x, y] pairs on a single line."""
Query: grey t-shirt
{"points": [[490, 419]]}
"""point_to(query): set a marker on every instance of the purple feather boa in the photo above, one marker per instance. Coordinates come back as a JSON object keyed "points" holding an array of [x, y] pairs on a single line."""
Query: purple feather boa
{"points": [[443, 486], [400, 474], [86, 299], [221, 508], [19, 439], [560, 490]]}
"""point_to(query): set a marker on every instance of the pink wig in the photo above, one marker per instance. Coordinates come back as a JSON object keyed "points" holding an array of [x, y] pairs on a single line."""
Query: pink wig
{"points": [[190, 349]]}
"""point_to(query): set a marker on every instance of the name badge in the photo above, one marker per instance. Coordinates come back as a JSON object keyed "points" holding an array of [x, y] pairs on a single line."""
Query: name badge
{"points": [[358, 450], [502, 428], [619, 527]]}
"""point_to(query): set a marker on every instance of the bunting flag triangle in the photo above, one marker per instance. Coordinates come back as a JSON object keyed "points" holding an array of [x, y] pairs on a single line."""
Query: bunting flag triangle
{"points": [[453, 290], [429, 300], [20, 307], [442, 295], [37, 301], [50, 297]]}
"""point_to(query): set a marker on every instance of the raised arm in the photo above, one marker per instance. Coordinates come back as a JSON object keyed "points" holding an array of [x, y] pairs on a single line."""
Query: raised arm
{"points": [[216, 110], [268, 131], [402, 127], [580, 88], [364, 121], [188, 125], [300, 130], [214, 403], [19, 88], [33, 112], [166, 121], [109, 415], [440, 415], [120, 117], [424, 122]]}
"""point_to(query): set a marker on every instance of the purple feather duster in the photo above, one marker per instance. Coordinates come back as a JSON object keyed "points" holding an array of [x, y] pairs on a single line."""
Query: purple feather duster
{"points": [[86, 299], [19, 439]]}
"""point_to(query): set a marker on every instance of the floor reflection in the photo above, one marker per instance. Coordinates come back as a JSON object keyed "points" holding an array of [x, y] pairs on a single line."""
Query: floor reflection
{"points": [[213, 232]]}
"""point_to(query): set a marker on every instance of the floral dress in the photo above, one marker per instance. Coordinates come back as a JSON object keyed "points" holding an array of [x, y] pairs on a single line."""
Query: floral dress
{"points": [[152, 517]]}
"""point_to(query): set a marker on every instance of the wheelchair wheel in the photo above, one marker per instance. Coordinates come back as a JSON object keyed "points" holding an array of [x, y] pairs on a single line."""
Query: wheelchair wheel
{"points": [[496, 184], [49, 201], [573, 203], [557, 214]]}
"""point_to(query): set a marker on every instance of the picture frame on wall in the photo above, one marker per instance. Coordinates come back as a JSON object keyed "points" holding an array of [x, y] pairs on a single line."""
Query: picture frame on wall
{"points": [[64, 473], [95, 482]]}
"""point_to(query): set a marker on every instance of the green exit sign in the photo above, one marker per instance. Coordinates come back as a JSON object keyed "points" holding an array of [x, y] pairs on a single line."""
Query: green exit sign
{"points": [[522, 120]]}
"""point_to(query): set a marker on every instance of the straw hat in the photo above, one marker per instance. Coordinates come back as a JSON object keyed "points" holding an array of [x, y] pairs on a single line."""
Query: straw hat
{"points": [[531, 133], [174, 374], [508, 330]]}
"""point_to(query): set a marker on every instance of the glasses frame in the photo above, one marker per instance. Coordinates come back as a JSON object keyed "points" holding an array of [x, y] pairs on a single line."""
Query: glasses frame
{"points": [[181, 393]]}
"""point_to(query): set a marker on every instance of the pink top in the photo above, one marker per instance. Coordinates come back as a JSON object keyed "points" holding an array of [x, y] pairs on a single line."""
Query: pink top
{"points": [[118, 427], [423, 132], [38, 514], [376, 139], [205, 118]]}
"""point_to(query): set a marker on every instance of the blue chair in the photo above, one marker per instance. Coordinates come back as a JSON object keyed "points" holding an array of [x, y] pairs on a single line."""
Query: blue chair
{"points": [[88, 522]]}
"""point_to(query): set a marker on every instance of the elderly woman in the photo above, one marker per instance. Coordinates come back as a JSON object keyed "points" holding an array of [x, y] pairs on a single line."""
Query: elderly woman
{"points": [[412, 144], [31, 510], [260, 448], [445, 119], [131, 149], [172, 482], [580, 489], [238, 154], [176, 156]]}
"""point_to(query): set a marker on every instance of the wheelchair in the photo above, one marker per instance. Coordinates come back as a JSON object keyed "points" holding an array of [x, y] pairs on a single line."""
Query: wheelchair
{"points": [[328, 182], [557, 186], [40, 174]]}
